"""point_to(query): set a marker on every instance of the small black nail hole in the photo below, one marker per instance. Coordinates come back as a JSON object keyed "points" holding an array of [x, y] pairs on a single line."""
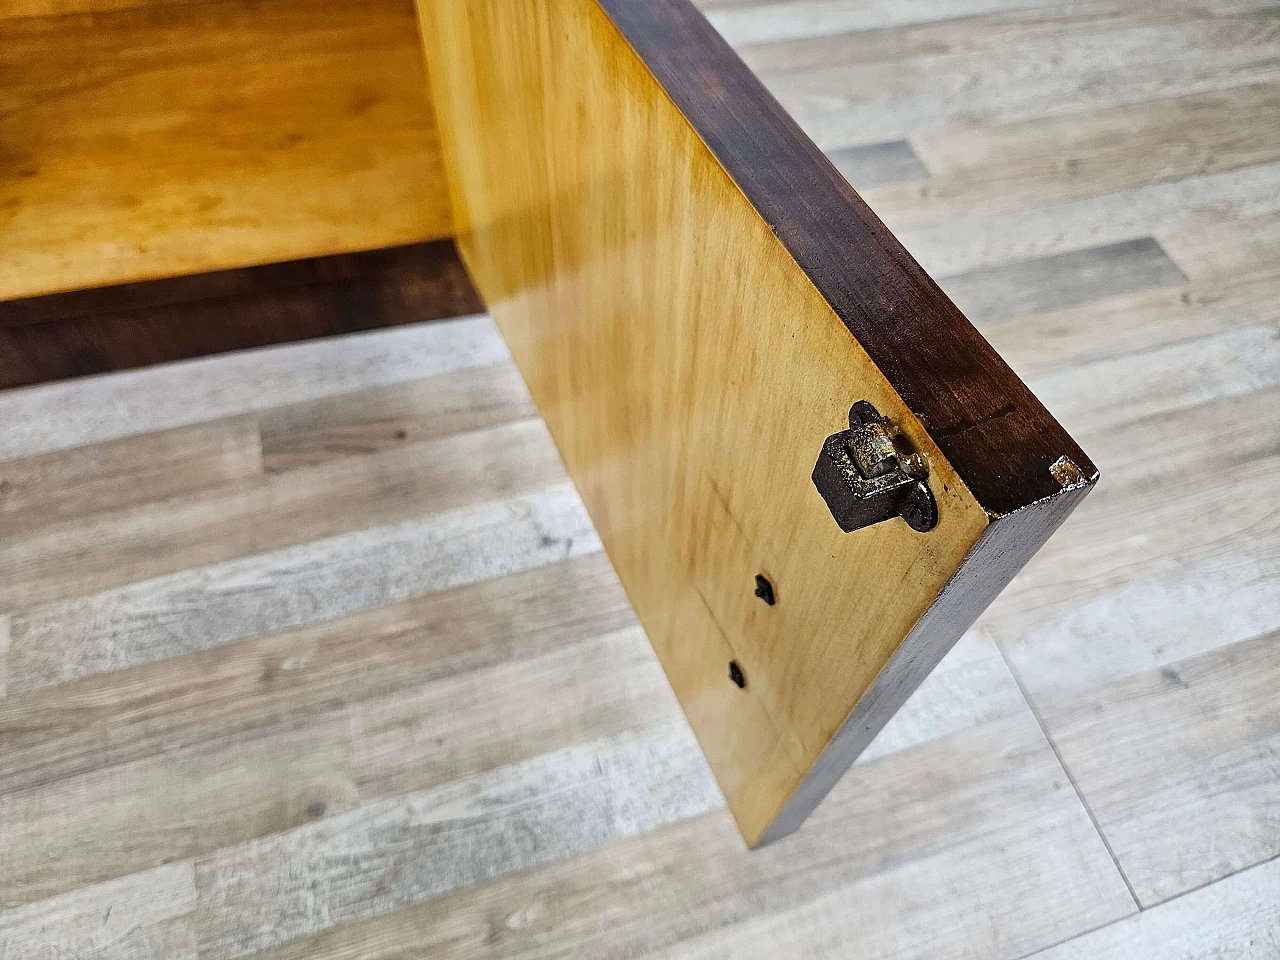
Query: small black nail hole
{"points": [[735, 674], [402, 434], [764, 590]]}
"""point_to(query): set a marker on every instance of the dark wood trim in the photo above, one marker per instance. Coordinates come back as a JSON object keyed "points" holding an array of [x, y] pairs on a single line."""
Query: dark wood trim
{"points": [[1003, 549], [993, 430], [85, 332]]}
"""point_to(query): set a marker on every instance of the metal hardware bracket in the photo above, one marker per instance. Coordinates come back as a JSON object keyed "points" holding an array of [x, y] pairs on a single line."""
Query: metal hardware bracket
{"points": [[865, 478]]}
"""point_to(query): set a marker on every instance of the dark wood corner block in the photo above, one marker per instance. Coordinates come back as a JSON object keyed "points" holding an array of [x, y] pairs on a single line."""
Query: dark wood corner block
{"points": [[93, 331]]}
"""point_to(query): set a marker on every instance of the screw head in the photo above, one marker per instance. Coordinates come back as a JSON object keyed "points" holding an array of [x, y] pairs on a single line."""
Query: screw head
{"points": [[920, 510]]}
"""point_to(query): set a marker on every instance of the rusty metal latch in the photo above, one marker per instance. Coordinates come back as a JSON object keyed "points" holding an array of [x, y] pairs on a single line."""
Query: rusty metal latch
{"points": [[866, 475]]}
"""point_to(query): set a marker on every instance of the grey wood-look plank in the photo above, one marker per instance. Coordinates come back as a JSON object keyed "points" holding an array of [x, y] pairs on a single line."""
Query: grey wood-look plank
{"points": [[218, 791], [993, 34], [1148, 577], [968, 806], [70, 484], [796, 19], [1078, 155], [878, 163], [983, 239], [1234, 284], [91, 410], [1107, 392], [390, 854], [110, 823], [201, 608], [878, 99], [5, 633], [418, 738], [146, 916], [1179, 764], [1061, 280], [275, 511], [370, 421], [1238, 917], [253, 684]]}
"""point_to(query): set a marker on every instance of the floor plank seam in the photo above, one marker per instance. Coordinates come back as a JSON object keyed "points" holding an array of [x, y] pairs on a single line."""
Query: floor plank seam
{"points": [[1044, 730]]}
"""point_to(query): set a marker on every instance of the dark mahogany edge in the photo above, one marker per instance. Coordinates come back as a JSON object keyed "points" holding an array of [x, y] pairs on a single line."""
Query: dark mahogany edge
{"points": [[1005, 546], [99, 330], [999, 438]]}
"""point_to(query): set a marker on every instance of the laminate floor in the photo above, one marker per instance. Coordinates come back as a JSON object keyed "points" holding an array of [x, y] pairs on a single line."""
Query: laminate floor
{"points": [[312, 651]]}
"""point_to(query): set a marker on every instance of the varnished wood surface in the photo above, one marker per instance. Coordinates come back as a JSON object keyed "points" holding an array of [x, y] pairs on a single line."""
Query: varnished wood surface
{"points": [[154, 139], [93, 331], [361, 670], [680, 297]]}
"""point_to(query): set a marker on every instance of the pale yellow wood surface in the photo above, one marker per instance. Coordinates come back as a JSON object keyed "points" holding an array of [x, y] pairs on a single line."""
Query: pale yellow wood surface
{"points": [[669, 338], [177, 138]]}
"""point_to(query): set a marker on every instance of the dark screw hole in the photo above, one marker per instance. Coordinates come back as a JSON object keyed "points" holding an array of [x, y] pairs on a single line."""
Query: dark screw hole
{"points": [[402, 434], [764, 590], [735, 674]]}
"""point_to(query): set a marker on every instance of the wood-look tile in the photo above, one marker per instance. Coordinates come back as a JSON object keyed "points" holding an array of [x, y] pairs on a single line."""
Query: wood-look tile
{"points": [[1060, 281], [965, 813], [421, 737], [878, 163], [1147, 639], [146, 916], [1233, 272], [227, 786], [201, 608], [275, 511], [1179, 763], [71, 484], [1130, 387], [250, 685], [1078, 155], [5, 633], [980, 239], [993, 34], [370, 421], [91, 410], [797, 19], [871, 100], [391, 854], [1238, 917], [171, 807]]}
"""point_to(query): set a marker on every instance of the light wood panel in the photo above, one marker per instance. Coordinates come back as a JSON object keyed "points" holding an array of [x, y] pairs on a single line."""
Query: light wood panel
{"points": [[174, 138], [689, 369]]}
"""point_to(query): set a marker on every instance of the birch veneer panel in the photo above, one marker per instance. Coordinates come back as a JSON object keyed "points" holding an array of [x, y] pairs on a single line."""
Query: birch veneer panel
{"points": [[696, 298], [169, 138]]}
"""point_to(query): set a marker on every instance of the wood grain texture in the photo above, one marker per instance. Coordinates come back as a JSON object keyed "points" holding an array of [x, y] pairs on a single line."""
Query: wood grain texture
{"points": [[146, 916], [269, 512], [177, 138], [250, 685], [1145, 639], [161, 321], [67, 485], [1237, 917], [962, 758], [306, 434], [1056, 61], [59, 416], [577, 254]]}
